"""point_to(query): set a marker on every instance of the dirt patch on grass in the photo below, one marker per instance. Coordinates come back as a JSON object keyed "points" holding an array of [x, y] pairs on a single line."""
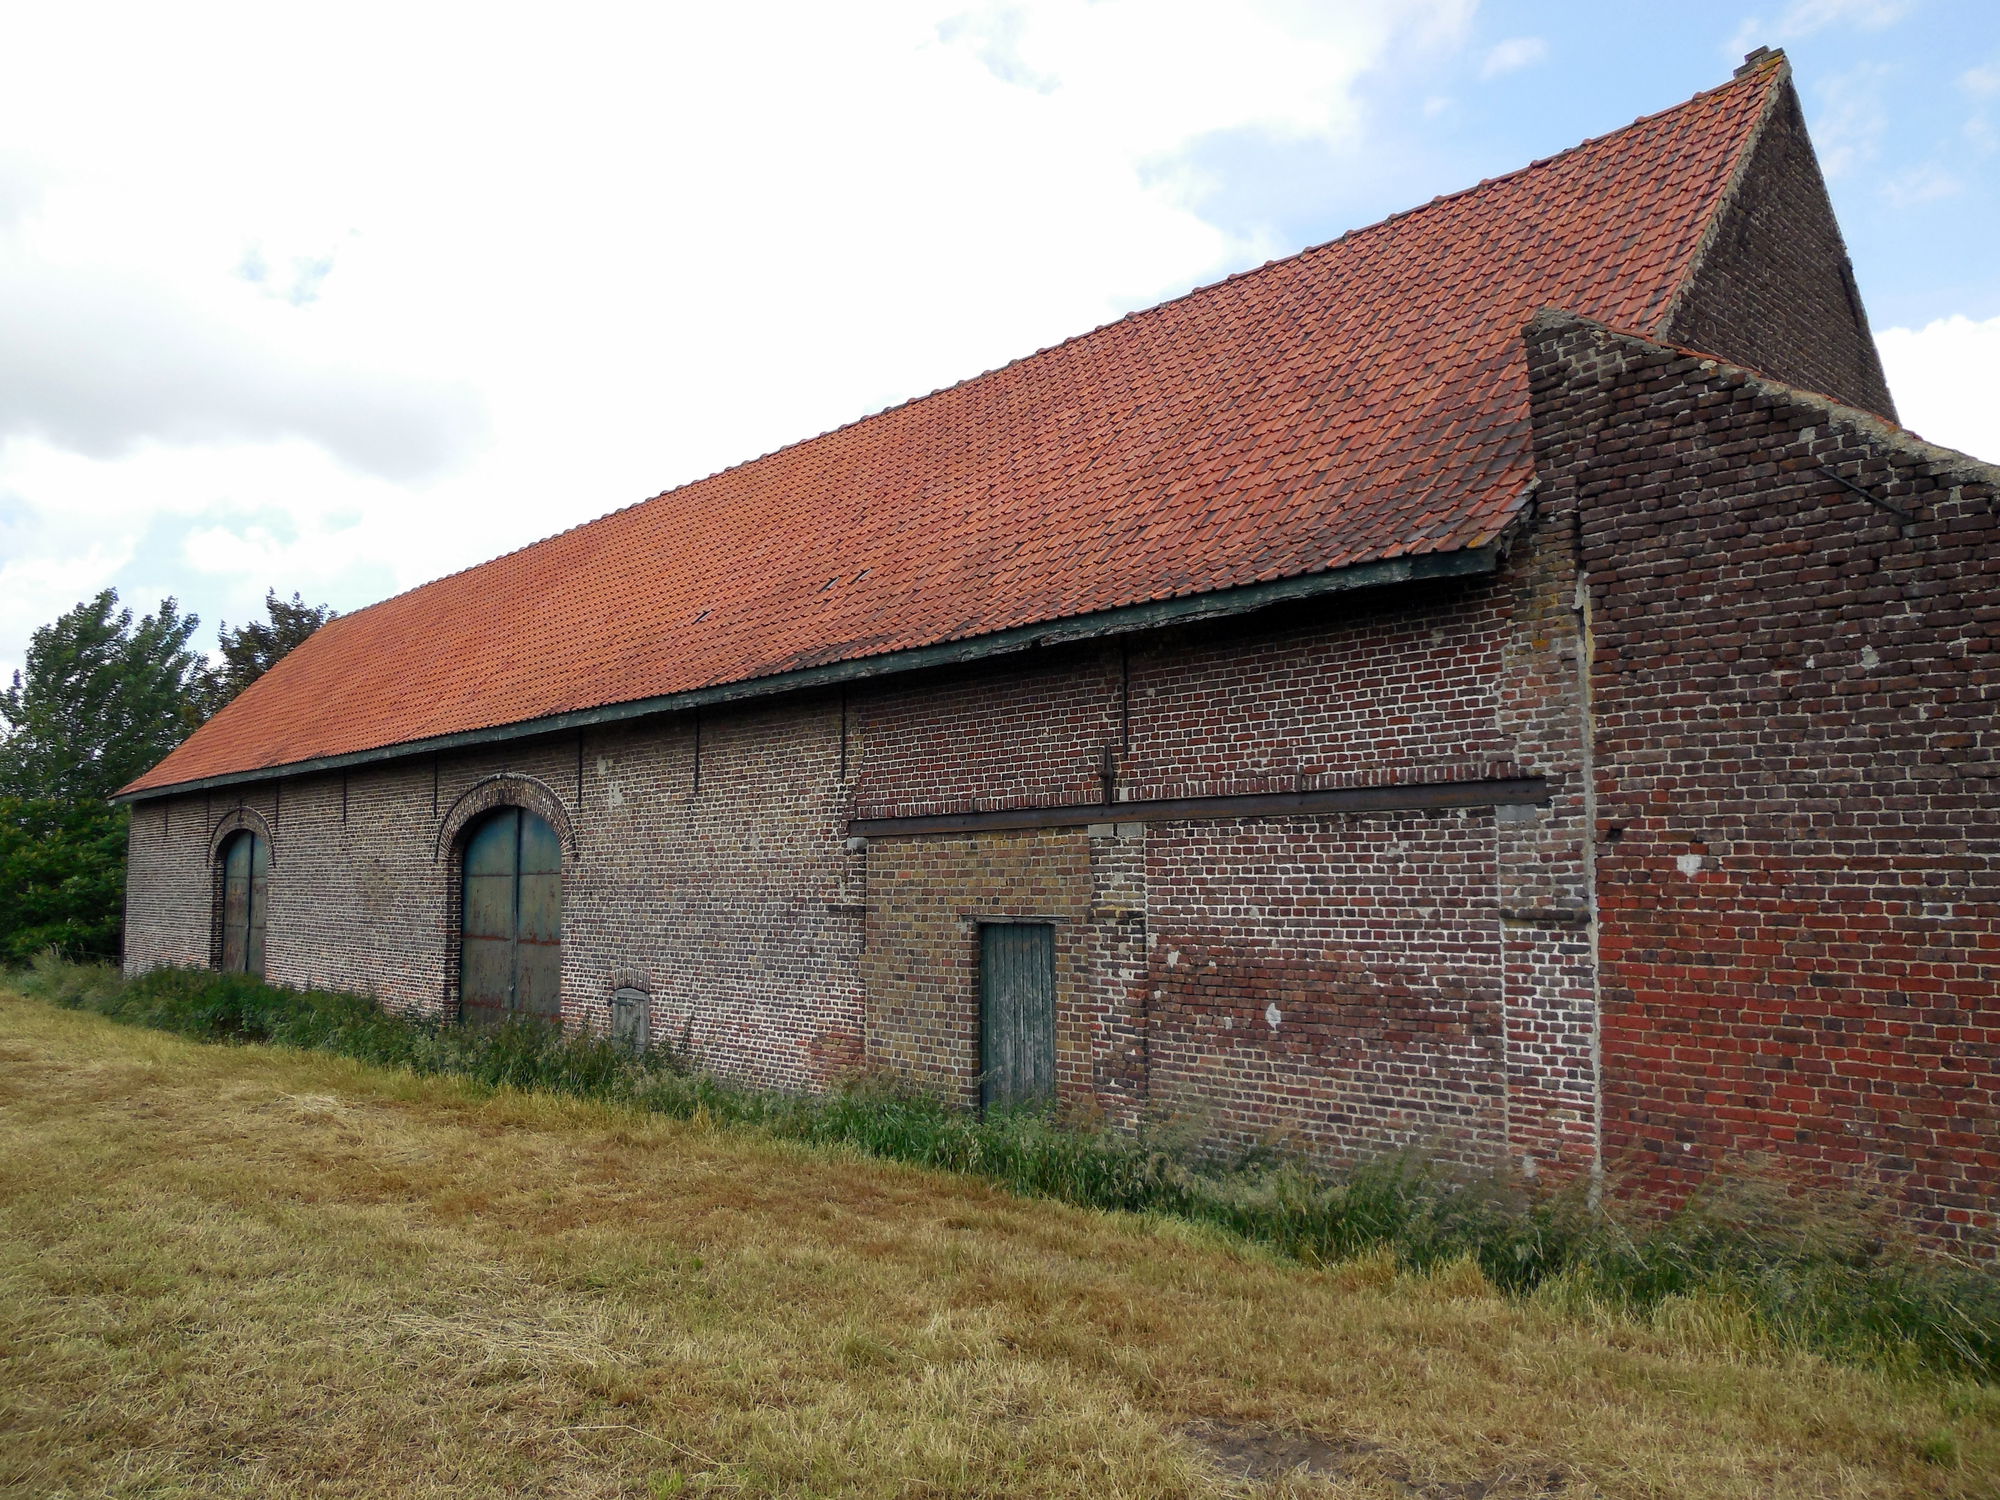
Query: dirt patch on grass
{"points": [[1253, 1452]]}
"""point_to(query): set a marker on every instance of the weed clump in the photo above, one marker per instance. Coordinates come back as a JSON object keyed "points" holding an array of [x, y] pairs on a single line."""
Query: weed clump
{"points": [[1753, 1255]]}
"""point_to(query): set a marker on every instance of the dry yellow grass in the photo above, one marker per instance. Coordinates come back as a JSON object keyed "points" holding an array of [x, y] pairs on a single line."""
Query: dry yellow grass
{"points": [[249, 1272]]}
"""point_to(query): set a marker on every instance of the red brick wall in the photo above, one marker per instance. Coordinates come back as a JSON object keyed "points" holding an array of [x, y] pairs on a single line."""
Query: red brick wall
{"points": [[1798, 773]]}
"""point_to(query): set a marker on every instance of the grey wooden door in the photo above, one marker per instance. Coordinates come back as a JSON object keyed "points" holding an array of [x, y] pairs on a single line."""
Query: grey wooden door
{"points": [[510, 961], [246, 884], [1017, 1014]]}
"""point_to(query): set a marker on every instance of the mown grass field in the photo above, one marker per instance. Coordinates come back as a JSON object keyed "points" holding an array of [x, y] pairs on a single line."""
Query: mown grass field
{"points": [[247, 1271]]}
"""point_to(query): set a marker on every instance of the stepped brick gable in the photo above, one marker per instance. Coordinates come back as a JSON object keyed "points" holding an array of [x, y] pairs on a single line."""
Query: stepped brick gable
{"points": [[1499, 683]]}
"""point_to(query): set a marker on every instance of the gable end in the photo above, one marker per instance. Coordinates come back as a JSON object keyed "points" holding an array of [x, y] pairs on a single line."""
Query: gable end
{"points": [[1774, 290]]}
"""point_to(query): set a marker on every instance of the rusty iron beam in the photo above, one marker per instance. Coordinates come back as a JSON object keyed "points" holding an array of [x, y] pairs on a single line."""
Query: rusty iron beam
{"points": [[1421, 797], [1907, 517]]}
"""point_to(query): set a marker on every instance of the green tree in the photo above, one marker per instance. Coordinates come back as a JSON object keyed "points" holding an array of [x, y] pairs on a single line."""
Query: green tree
{"points": [[104, 697], [62, 878], [250, 651]]}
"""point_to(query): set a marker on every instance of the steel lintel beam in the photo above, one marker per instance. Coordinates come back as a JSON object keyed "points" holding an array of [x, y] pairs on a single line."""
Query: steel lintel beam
{"points": [[1417, 797]]}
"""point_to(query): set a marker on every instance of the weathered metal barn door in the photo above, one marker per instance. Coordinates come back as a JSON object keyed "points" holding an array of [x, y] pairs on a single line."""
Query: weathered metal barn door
{"points": [[246, 884], [1017, 1014], [511, 941]]}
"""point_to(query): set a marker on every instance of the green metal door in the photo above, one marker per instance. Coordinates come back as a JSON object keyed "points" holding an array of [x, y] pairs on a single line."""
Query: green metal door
{"points": [[511, 940], [246, 884], [1017, 1014]]}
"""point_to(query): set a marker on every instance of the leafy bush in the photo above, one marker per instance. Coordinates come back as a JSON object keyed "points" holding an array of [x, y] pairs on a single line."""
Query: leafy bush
{"points": [[1812, 1270], [62, 877]]}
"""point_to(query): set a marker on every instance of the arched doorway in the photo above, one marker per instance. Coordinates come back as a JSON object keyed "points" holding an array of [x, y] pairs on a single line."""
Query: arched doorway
{"points": [[245, 858], [510, 957]]}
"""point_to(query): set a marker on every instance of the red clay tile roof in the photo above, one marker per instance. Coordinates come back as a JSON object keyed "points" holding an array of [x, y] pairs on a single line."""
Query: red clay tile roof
{"points": [[1364, 400]]}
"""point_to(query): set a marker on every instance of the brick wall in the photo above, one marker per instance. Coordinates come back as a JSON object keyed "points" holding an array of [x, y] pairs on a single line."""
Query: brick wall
{"points": [[732, 904], [1797, 705], [1336, 980], [1429, 973], [1790, 778], [927, 898], [1421, 966], [1774, 289]]}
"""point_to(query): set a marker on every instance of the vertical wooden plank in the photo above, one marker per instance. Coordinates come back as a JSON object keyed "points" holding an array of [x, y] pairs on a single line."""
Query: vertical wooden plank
{"points": [[538, 929], [260, 892], [1017, 993], [631, 1020], [486, 949], [235, 902]]}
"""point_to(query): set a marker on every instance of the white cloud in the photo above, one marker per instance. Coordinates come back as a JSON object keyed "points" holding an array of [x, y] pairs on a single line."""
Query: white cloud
{"points": [[1852, 118], [99, 360], [1513, 54], [1921, 184], [1942, 378], [342, 300], [1802, 18]]}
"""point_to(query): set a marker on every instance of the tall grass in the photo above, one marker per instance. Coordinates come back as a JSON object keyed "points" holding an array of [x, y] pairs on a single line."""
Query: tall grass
{"points": [[1794, 1267]]}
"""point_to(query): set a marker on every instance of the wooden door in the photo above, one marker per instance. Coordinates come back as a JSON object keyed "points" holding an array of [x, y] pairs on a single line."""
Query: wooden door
{"points": [[511, 940], [1017, 1014], [246, 885]]}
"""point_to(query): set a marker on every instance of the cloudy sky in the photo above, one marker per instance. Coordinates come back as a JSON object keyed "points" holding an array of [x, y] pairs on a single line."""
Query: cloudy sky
{"points": [[338, 299]]}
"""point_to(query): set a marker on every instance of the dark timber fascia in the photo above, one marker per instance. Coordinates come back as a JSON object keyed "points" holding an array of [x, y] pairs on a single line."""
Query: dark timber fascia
{"points": [[1418, 796], [1466, 562]]}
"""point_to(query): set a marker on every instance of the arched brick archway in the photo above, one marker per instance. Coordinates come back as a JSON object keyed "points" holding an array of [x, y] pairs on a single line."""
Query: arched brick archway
{"points": [[510, 789], [461, 820], [237, 818], [237, 920]]}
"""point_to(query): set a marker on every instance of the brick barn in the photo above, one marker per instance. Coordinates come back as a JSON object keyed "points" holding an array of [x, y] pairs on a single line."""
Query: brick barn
{"points": [[1501, 681]]}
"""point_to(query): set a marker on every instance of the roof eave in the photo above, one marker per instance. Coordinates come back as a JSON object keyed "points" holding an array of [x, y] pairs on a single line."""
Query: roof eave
{"points": [[1461, 562]]}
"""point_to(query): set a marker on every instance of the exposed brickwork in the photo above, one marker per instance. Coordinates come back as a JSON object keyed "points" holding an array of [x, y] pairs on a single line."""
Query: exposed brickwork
{"points": [[1797, 707], [921, 970], [1335, 980], [1369, 688], [1020, 733], [1418, 984], [729, 906], [1429, 972], [169, 889], [1790, 774], [1774, 289]]}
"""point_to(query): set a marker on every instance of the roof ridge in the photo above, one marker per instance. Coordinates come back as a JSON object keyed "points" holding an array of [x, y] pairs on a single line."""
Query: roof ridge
{"points": [[1756, 76], [1772, 68]]}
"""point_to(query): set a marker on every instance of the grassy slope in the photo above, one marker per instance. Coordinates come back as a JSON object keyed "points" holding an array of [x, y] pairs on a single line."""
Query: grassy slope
{"points": [[246, 1271]]}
